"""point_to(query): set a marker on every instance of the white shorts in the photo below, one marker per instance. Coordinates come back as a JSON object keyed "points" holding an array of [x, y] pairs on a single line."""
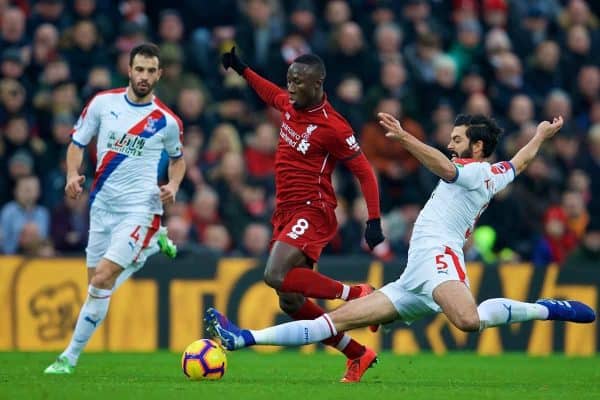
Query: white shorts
{"points": [[426, 269], [123, 238]]}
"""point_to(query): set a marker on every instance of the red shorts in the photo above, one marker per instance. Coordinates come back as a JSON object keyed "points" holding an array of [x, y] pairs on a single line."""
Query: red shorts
{"points": [[308, 228]]}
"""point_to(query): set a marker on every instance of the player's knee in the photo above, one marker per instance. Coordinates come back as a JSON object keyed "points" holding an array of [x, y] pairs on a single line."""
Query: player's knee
{"points": [[102, 280], [273, 279], [467, 322]]}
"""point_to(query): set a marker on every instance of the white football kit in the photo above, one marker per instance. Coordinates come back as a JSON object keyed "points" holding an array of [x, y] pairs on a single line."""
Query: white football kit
{"points": [[125, 204], [435, 253]]}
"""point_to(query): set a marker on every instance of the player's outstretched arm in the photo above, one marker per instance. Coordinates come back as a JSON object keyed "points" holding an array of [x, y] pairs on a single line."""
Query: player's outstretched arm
{"points": [[433, 159], [265, 89], [545, 130], [73, 187]]}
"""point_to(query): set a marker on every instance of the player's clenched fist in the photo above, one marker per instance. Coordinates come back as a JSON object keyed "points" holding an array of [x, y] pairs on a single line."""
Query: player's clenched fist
{"points": [[231, 60], [167, 194], [73, 187], [373, 233]]}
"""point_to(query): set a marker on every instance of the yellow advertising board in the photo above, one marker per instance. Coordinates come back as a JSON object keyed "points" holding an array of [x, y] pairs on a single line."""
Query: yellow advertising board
{"points": [[163, 307]]}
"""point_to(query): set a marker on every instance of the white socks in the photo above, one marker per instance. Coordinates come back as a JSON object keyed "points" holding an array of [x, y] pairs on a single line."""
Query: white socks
{"points": [[296, 333], [91, 316], [494, 312], [345, 292]]}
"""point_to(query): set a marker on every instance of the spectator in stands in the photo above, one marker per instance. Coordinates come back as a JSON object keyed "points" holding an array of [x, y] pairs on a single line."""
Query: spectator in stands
{"points": [[12, 66], [23, 210], [508, 81], [49, 11], [224, 139], [44, 49], [84, 51], [12, 31], [170, 27], [217, 238], [495, 13], [587, 254], [444, 88], [543, 73], [303, 21], [585, 94], [179, 231], [557, 240], [259, 153], [174, 79], [88, 10], [590, 164], [388, 43], [420, 56], [520, 111], [350, 56], [394, 165], [261, 28], [393, 82], [192, 109], [255, 242], [578, 51], [478, 103], [540, 62], [12, 100], [577, 216], [203, 211]]}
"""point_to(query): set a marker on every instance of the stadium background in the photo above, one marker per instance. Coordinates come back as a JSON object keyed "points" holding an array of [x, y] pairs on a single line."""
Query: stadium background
{"points": [[423, 61]]}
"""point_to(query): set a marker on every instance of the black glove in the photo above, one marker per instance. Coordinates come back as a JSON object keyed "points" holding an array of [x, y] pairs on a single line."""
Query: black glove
{"points": [[373, 233], [230, 59]]}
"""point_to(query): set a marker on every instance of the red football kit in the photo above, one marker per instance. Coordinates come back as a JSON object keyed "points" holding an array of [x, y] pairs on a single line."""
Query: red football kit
{"points": [[311, 141]]}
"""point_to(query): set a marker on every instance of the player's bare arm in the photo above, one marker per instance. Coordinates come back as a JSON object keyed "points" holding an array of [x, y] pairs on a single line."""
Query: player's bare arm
{"points": [[73, 187], [176, 174], [545, 130], [433, 159]]}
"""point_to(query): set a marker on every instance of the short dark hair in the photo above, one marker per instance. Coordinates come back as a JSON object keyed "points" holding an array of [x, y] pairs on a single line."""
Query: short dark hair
{"points": [[313, 61], [145, 49], [480, 127]]}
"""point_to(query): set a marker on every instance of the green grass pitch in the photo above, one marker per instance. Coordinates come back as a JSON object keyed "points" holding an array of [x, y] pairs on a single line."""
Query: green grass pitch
{"points": [[290, 375]]}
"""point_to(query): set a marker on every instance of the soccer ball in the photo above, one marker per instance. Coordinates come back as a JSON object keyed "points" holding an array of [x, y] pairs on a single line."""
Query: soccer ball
{"points": [[204, 359]]}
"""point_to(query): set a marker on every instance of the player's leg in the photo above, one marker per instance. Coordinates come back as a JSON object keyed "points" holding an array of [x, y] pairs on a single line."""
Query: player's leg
{"points": [[300, 308], [458, 304], [160, 242], [375, 308], [287, 271]]}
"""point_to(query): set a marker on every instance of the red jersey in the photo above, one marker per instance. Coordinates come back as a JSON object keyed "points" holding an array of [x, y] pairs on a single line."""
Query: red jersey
{"points": [[311, 141]]}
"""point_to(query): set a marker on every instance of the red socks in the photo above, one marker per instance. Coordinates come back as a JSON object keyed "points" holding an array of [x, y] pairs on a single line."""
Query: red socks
{"points": [[313, 284], [309, 310]]}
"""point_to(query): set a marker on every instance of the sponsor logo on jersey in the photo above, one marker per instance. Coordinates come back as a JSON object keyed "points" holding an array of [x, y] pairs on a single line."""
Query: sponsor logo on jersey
{"points": [[150, 125], [352, 143], [500, 168], [125, 143], [293, 139]]}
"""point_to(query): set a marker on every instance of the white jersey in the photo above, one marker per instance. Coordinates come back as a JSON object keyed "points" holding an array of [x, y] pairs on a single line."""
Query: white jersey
{"points": [[454, 207], [131, 138]]}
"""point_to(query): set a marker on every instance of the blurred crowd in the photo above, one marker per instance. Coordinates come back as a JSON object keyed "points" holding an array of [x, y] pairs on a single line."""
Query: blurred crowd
{"points": [[423, 61]]}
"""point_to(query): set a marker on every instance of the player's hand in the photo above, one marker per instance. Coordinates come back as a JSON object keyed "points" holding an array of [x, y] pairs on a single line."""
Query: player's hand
{"points": [[73, 187], [167, 194], [231, 60], [373, 233], [546, 129], [395, 130]]}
